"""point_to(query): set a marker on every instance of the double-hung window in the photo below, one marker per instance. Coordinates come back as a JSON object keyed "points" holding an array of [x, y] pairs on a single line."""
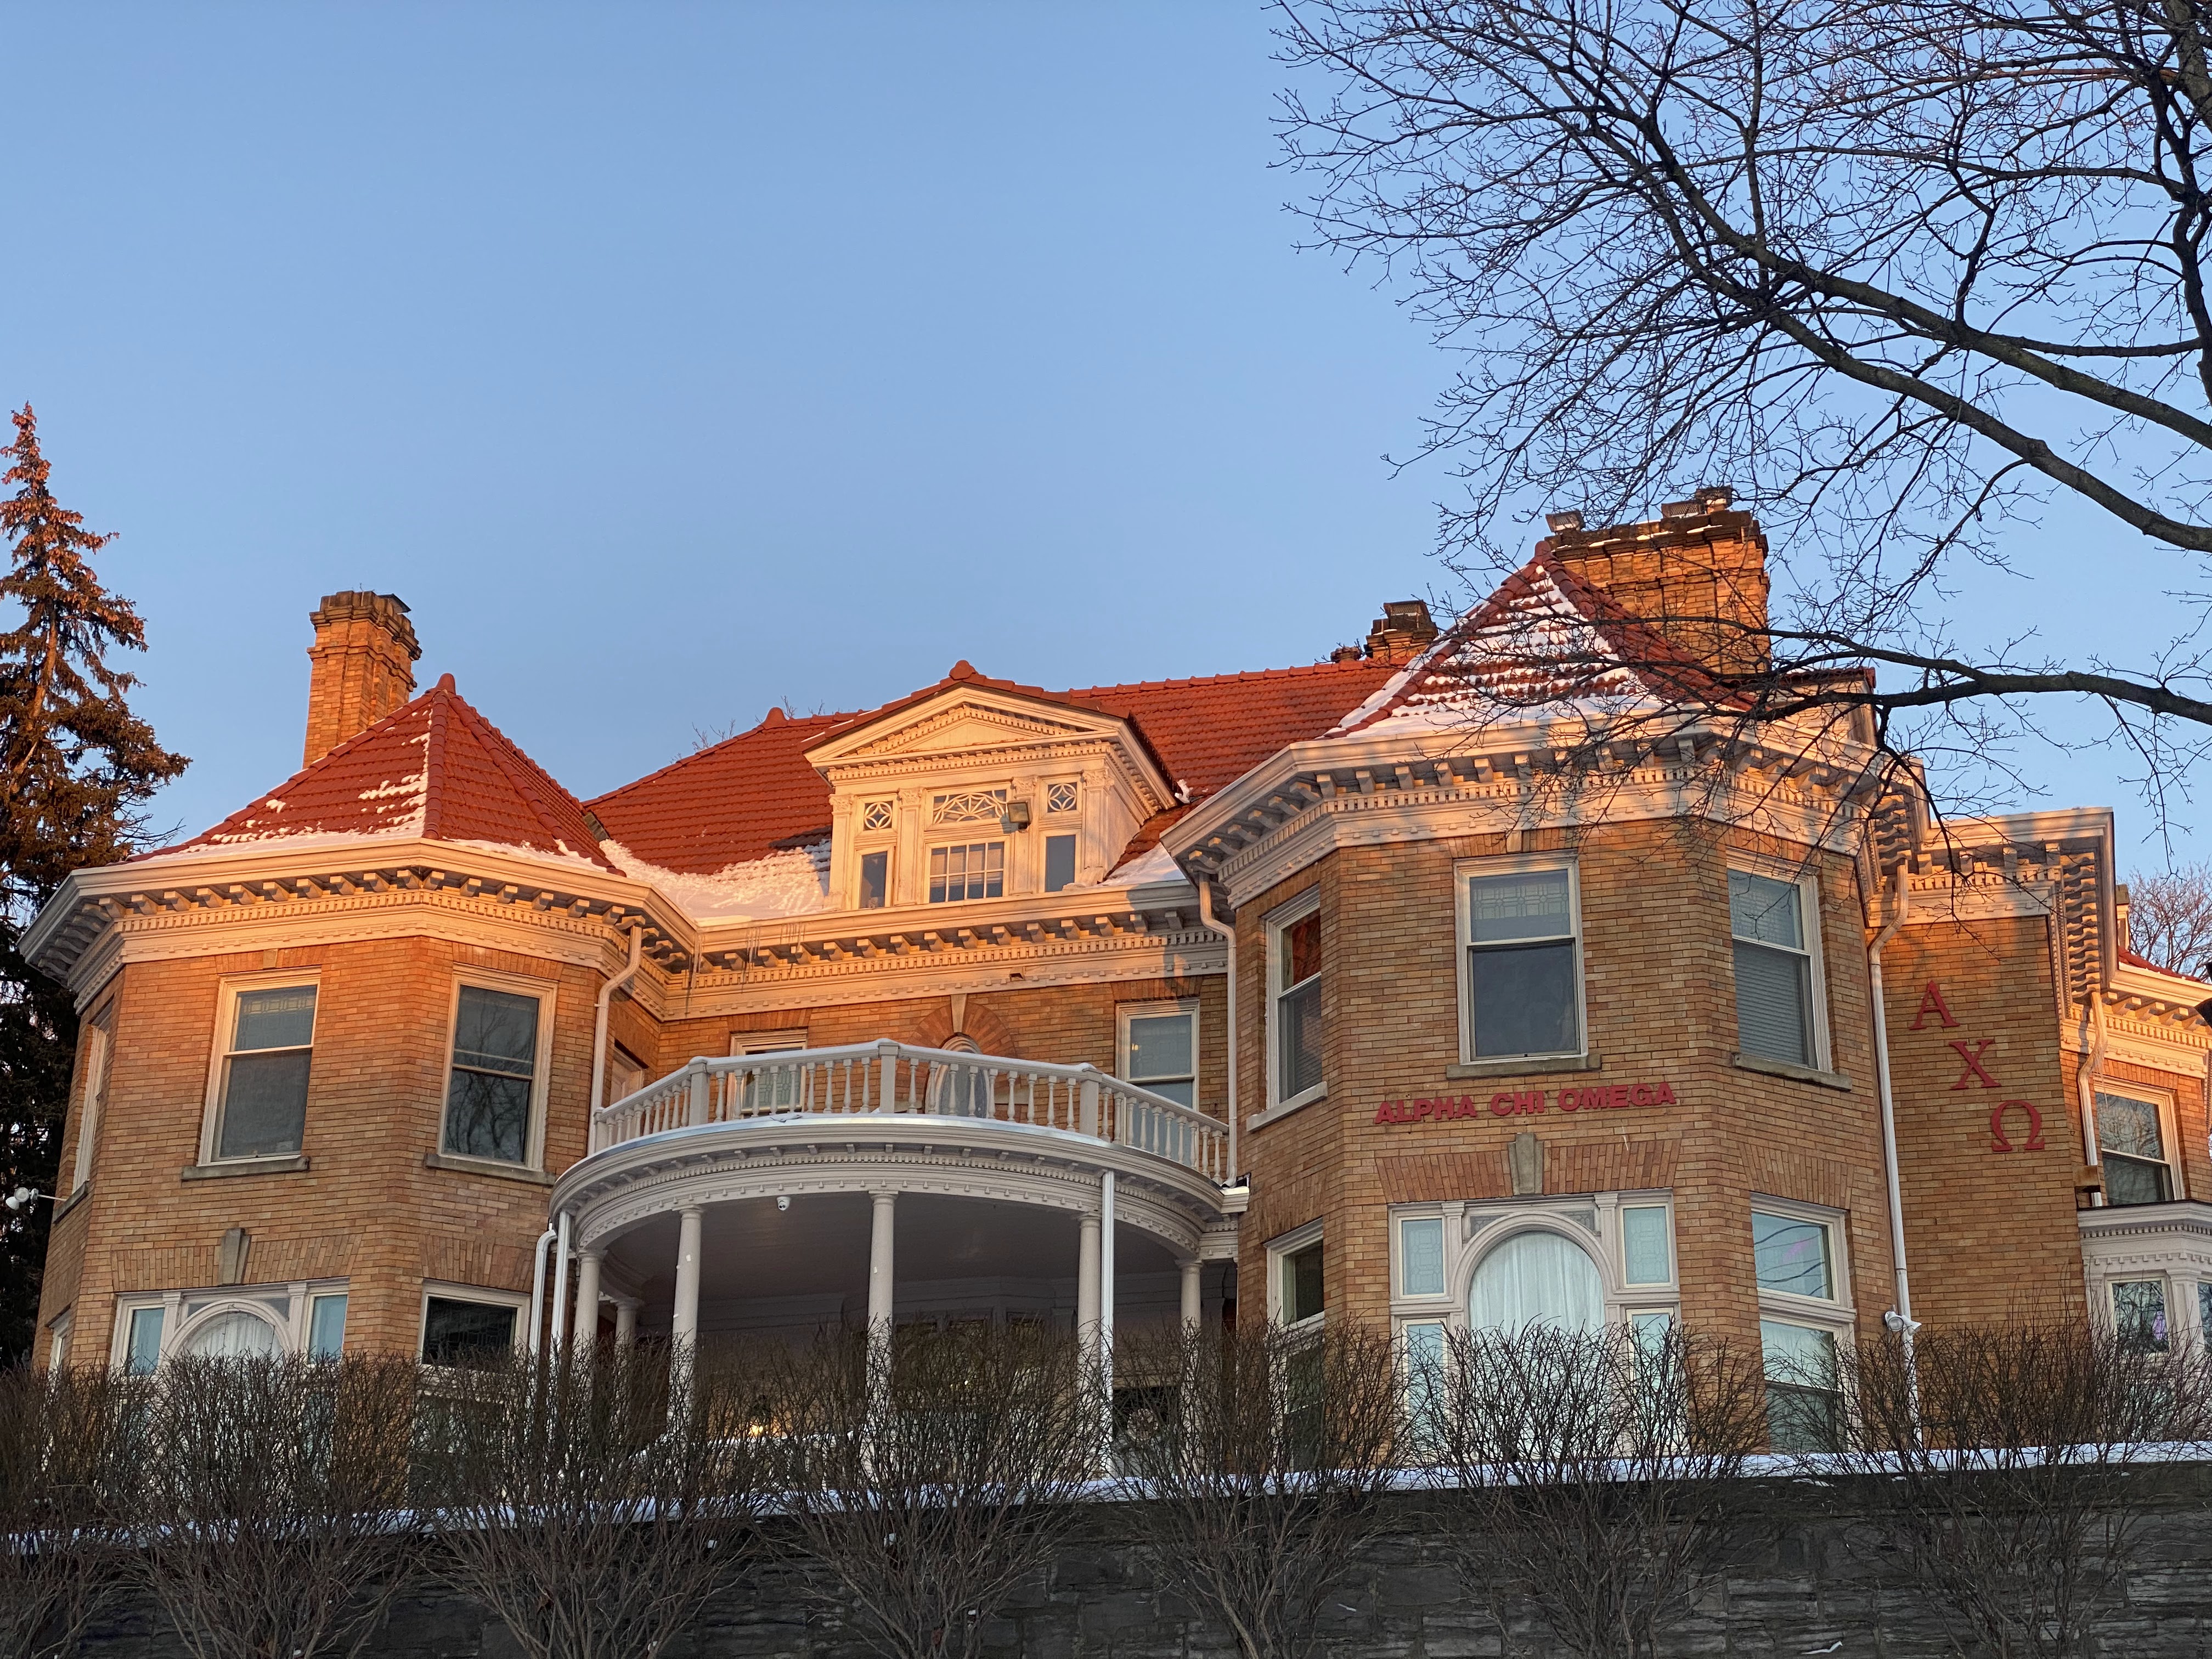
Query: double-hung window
{"points": [[1299, 1290], [492, 1087], [99, 1042], [876, 824], [1294, 968], [1776, 1010], [1523, 977], [261, 1073], [2139, 1315], [1802, 1319], [2131, 1145], [1159, 1048]]}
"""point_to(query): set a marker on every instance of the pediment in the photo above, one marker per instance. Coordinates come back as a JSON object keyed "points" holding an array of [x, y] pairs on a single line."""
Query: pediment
{"points": [[966, 727], [969, 720]]}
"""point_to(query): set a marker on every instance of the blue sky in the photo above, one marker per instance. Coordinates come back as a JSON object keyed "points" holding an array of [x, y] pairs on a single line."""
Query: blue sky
{"points": [[674, 363]]}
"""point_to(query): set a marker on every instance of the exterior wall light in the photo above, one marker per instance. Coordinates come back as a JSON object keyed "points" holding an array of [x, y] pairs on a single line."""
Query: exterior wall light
{"points": [[1015, 818]]}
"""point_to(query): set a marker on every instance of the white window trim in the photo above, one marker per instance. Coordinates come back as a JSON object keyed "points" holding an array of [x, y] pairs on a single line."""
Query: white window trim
{"points": [[541, 1071], [291, 1330], [1515, 864], [1838, 1314], [2176, 1333], [228, 991], [2150, 1094], [1165, 1008], [445, 1291], [1474, 1228], [1807, 883], [884, 842], [1279, 1250], [57, 1339], [99, 1060], [1297, 909]]}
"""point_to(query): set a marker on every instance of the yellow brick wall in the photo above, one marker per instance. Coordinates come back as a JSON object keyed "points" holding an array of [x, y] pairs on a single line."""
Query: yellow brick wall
{"points": [[1659, 991]]}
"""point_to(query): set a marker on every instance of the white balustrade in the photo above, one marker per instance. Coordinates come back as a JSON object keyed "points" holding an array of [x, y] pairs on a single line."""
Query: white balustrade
{"points": [[897, 1077]]}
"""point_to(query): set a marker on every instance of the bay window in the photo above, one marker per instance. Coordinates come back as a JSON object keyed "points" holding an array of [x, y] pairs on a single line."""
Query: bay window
{"points": [[259, 1108], [1522, 988], [2131, 1145], [1777, 977], [1294, 970], [496, 1079]]}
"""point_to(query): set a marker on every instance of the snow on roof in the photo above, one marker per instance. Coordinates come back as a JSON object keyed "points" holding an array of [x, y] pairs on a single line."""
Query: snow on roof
{"points": [[1543, 640], [436, 770]]}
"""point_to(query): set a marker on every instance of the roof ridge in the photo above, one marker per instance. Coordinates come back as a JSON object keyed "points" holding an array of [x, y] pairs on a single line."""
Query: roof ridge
{"points": [[521, 771], [787, 723], [434, 755], [1242, 674]]}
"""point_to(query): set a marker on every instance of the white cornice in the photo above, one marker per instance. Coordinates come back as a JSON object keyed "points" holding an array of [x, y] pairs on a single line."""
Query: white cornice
{"points": [[170, 908]]}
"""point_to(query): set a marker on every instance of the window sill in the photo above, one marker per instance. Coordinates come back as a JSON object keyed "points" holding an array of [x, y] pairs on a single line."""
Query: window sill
{"points": [[1525, 1065], [243, 1166], [70, 1203], [1785, 1068], [1277, 1114], [485, 1166]]}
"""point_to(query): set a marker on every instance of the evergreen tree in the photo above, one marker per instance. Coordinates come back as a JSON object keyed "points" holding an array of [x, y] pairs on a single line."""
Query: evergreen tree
{"points": [[77, 767]]}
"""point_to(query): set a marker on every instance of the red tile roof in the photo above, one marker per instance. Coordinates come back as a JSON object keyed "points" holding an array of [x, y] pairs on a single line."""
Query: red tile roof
{"points": [[742, 798], [1545, 636], [435, 769]]}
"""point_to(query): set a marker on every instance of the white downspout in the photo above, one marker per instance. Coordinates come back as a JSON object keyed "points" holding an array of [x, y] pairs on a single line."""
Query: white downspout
{"points": [[1899, 1318], [1228, 940], [559, 1233], [538, 1287], [2091, 1063], [599, 1021]]}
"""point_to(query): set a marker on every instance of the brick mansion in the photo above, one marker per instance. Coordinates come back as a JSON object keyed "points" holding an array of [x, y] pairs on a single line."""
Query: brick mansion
{"points": [[1301, 995]]}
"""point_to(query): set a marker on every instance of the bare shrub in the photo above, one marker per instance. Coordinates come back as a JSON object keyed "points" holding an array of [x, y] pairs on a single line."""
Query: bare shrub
{"points": [[276, 1497], [68, 1483], [2012, 1468], [1262, 1467], [1600, 1473], [569, 1498], [932, 1475]]}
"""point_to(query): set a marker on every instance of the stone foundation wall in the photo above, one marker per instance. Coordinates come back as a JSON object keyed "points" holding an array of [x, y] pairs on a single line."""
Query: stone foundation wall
{"points": [[1806, 1582]]}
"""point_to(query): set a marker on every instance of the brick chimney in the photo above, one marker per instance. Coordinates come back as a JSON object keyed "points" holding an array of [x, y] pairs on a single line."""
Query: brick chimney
{"points": [[1698, 574], [364, 657], [1401, 632]]}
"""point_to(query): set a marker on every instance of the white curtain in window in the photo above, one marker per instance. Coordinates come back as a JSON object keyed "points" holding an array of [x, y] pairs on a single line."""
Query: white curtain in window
{"points": [[233, 1335], [1537, 1278]]}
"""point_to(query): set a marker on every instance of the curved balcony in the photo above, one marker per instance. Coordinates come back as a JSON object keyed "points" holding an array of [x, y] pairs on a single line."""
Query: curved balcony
{"points": [[771, 1190]]}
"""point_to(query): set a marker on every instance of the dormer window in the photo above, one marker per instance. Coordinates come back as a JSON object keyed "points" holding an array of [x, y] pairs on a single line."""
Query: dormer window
{"points": [[973, 869]]}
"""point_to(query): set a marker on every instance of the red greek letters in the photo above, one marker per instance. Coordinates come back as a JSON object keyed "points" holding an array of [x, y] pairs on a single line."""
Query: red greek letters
{"points": [[1998, 1141], [1974, 1067]]}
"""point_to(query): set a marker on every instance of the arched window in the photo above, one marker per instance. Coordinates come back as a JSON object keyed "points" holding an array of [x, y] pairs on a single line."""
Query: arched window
{"points": [[962, 1090], [236, 1335], [1537, 1278]]}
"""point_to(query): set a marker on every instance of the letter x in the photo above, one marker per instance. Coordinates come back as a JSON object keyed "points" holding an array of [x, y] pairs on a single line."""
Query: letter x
{"points": [[1974, 1068]]}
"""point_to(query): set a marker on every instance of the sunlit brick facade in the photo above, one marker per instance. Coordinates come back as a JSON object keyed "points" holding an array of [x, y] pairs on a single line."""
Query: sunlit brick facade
{"points": [[1351, 990]]}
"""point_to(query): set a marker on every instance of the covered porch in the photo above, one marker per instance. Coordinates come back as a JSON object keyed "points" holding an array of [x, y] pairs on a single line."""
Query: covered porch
{"points": [[889, 1185]]}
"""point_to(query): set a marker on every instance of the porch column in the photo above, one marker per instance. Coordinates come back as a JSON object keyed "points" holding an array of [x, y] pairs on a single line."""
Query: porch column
{"points": [[1194, 1296], [587, 1302], [1086, 1278], [683, 1326], [626, 1323], [881, 1311]]}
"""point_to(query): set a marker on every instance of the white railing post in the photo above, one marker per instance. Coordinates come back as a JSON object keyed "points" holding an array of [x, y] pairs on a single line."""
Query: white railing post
{"points": [[697, 1114], [887, 1090], [1087, 1113]]}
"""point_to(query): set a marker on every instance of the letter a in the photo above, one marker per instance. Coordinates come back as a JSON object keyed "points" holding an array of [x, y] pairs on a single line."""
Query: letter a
{"points": [[1932, 1002]]}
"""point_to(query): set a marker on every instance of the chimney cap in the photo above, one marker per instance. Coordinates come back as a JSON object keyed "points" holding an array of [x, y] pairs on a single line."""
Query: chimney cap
{"points": [[1560, 524]]}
